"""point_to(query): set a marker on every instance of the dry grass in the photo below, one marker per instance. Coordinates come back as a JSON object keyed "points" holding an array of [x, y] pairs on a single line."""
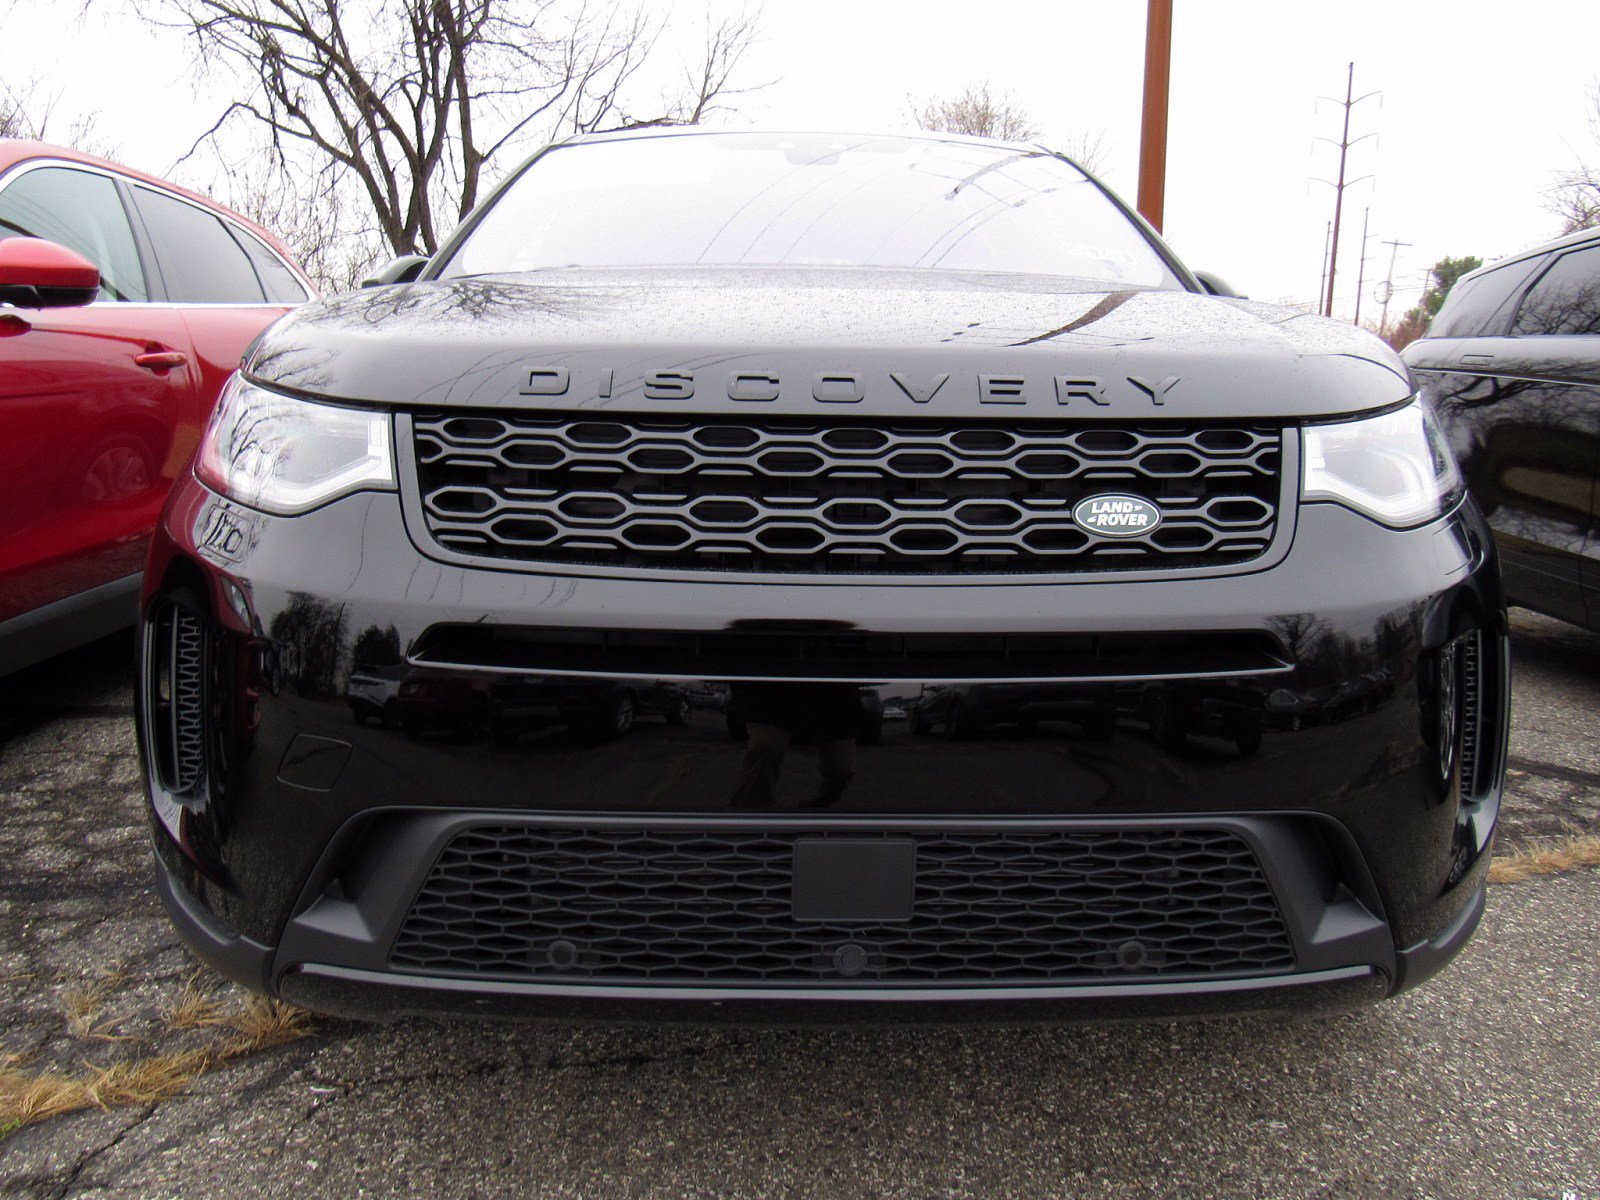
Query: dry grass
{"points": [[197, 1007], [1547, 858], [83, 1004], [28, 1095], [261, 1023]]}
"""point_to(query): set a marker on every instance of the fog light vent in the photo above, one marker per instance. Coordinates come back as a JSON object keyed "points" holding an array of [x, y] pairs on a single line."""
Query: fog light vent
{"points": [[1471, 710], [177, 698]]}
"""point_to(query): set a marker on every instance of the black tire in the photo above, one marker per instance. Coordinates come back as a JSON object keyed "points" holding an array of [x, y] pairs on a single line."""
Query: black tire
{"points": [[1249, 743], [678, 712]]}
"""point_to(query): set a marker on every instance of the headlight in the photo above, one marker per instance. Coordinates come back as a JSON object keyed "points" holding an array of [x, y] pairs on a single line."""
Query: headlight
{"points": [[1396, 469], [287, 456]]}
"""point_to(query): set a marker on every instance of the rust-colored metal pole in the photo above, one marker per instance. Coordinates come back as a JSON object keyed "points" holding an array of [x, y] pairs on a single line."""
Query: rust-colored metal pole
{"points": [[1153, 129]]}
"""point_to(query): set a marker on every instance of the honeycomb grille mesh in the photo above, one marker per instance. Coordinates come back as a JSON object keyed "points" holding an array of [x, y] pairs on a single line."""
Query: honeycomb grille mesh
{"points": [[826, 498], [710, 906]]}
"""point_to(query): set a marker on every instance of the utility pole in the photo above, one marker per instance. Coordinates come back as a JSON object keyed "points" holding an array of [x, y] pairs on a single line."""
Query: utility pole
{"points": [[1344, 143], [1153, 127], [1388, 283], [1361, 268]]}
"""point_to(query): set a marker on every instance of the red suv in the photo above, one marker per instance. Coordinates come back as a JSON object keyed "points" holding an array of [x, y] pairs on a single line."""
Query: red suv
{"points": [[125, 302]]}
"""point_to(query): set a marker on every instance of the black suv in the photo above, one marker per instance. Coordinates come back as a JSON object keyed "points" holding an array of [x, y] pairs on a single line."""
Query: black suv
{"points": [[779, 427], [1512, 366]]}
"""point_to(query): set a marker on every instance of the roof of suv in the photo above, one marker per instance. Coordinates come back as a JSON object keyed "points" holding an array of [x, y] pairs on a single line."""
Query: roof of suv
{"points": [[924, 135], [1563, 242]]}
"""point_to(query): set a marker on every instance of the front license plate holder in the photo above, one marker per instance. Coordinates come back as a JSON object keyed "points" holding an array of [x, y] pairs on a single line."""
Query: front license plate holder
{"points": [[854, 880]]}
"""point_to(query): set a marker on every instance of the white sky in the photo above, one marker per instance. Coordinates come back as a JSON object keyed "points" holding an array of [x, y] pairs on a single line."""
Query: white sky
{"points": [[1481, 103]]}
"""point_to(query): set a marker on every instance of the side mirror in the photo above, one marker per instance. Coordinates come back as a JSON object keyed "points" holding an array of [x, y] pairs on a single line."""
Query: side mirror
{"points": [[402, 270], [1215, 285], [35, 273]]}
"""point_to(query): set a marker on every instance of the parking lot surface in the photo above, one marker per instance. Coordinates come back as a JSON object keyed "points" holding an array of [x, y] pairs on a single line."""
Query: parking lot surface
{"points": [[1480, 1084]]}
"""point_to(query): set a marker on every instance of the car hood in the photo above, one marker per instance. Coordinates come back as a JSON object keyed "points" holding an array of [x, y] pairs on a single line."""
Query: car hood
{"points": [[814, 340]]}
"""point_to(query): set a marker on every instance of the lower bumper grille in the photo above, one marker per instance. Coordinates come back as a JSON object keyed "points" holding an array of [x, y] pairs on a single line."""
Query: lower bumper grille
{"points": [[712, 905]]}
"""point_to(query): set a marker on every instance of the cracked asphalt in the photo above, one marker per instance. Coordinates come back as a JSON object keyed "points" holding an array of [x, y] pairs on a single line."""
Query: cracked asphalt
{"points": [[1482, 1084]]}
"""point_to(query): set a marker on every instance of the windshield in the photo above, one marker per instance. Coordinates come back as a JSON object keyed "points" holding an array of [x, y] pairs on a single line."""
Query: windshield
{"points": [[748, 199]]}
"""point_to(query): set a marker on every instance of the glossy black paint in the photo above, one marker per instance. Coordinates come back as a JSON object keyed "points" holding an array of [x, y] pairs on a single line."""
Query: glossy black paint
{"points": [[785, 341], [268, 843], [1515, 378]]}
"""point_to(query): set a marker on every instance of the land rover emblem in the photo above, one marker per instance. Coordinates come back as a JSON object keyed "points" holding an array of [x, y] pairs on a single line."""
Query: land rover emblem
{"points": [[1115, 516]]}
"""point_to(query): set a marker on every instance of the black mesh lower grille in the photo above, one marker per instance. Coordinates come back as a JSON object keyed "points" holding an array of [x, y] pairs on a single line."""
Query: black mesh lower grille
{"points": [[713, 905]]}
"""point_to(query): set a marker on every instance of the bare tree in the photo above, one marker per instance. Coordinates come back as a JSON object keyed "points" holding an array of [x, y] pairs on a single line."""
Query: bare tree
{"points": [[27, 111], [1574, 198], [979, 111], [24, 110], [409, 102], [279, 201], [13, 121], [1086, 149]]}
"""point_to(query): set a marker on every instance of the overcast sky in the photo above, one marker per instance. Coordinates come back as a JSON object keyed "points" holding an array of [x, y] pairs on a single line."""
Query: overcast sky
{"points": [[1480, 104]]}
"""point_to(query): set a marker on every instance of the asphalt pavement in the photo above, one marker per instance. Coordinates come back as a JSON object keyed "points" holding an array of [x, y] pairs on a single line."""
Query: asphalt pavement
{"points": [[1481, 1084]]}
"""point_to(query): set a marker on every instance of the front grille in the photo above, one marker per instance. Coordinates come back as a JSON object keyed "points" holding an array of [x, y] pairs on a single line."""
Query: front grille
{"points": [[839, 498], [712, 905]]}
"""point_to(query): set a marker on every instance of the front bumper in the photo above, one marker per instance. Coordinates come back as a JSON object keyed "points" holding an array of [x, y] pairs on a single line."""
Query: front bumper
{"points": [[296, 861]]}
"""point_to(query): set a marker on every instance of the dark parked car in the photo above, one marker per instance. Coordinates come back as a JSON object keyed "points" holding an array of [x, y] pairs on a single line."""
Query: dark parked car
{"points": [[1512, 365], [597, 707], [964, 710], [107, 379], [796, 419]]}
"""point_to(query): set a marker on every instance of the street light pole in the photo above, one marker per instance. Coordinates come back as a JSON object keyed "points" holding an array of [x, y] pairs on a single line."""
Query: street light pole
{"points": [[1153, 127], [1388, 283]]}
